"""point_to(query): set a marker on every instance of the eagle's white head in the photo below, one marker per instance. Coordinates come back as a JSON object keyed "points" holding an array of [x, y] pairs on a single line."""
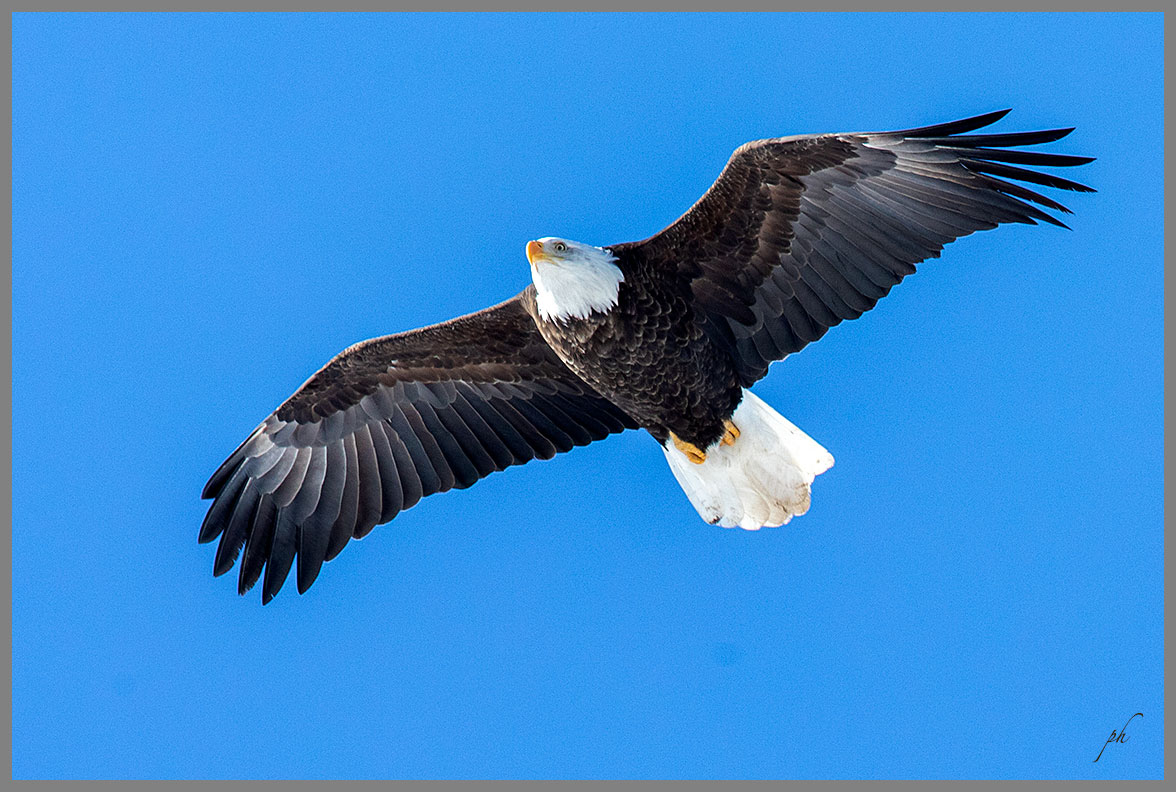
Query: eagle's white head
{"points": [[572, 279]]}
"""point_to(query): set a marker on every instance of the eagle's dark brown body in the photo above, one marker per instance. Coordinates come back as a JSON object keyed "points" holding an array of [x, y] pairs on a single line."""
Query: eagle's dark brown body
{"points": [[651, 356]]}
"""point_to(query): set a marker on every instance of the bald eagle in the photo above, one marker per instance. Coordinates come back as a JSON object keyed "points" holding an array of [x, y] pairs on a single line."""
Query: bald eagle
{"points": [[667, 334]]}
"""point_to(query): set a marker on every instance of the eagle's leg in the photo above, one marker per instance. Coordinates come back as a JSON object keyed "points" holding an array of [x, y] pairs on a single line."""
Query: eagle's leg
{"points": [[730, 433], [692, 452]]}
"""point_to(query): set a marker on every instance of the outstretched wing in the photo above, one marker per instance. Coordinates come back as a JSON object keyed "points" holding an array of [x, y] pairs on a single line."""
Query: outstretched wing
{"points": [[800, 233], [387, 422]]}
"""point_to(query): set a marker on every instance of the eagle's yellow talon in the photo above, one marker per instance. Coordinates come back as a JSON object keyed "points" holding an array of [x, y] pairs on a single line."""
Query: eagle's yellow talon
{"points": [[692, 452], [732, 433]]}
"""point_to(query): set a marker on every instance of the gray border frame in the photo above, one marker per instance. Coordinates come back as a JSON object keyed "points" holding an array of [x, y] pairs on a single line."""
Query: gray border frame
{"points": [[913, 5]]}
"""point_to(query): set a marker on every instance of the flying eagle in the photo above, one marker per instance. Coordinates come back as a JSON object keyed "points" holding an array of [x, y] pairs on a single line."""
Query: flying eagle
{"points": [[667, 334]]}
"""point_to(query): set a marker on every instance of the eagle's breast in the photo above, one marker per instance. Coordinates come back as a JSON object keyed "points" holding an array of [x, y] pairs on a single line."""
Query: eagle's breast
{"points": [[648, 355]]}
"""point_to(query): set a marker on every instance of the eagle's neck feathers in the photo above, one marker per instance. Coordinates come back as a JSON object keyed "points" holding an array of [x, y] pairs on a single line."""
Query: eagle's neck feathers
{"points": [[586, 282]]}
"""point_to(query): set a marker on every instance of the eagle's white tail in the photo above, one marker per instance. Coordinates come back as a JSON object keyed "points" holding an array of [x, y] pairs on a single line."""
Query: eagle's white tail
{"points": [[762, 479]]}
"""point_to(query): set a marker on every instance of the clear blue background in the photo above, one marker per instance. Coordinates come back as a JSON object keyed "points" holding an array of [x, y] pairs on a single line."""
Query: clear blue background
{"points": [[207, 208]]}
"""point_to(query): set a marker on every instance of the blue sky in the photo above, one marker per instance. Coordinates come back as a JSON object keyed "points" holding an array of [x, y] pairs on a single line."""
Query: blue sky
{"points": [[207, 208]]}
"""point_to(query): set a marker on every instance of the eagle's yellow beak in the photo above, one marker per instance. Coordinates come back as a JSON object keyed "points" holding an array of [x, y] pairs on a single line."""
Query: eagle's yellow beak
{"points": [[534, 251]]}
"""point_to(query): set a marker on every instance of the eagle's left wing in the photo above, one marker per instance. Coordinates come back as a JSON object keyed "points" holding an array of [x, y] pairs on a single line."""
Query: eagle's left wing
{"points": [[800, 233], [387, 422]]}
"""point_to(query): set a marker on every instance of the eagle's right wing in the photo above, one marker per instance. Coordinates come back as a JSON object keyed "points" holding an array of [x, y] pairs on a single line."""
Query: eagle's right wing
{"points": [[800, 233], [387, 422]]}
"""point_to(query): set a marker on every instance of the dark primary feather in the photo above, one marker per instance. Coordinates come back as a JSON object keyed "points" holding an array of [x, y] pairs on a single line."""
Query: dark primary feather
{"points": [[386, 423], [801, 233]]}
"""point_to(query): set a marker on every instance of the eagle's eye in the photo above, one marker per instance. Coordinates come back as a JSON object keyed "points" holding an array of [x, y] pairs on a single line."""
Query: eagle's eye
{"points": [[560, 247]]}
